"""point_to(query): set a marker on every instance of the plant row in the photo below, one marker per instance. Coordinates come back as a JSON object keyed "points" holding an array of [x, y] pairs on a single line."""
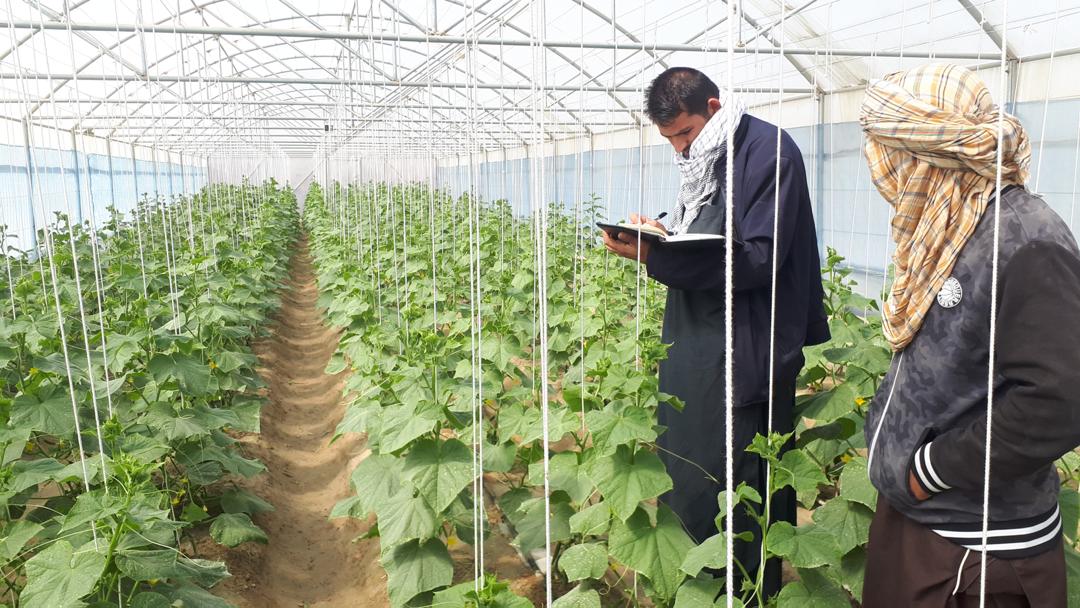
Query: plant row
{"points": [[126, 375]]}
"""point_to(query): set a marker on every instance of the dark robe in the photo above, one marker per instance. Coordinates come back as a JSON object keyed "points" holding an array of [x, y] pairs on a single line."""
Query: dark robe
{"points": [[694, 327]]}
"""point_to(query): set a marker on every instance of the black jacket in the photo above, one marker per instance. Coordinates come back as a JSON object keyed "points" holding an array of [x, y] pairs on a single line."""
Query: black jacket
{"points": [[694, 315], [929, 415]]}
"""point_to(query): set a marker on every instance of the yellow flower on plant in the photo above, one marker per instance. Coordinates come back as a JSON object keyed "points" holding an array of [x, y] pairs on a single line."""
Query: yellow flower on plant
{"points": [[859, 401], [452, 541]]}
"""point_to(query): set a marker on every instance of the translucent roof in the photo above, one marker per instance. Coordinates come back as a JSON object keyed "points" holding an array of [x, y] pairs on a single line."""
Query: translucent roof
{"points": [[304, 77]]}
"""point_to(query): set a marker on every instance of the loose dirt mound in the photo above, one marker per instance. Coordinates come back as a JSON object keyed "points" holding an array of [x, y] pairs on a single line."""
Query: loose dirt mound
{"points": [[309, 561]]}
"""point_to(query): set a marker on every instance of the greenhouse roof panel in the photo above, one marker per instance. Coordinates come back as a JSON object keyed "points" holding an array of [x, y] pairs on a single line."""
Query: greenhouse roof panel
{"points": [[464, 66]]}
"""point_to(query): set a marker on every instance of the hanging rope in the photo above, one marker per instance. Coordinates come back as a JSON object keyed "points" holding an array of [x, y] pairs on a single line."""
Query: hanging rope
{"points": [[729, 329], [992, 362]]}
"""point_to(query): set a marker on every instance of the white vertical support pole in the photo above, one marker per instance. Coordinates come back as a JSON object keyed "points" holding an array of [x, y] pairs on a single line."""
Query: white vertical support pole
{"points": [[157, 173], [30, 183], [135, 174], [78, 178], [112, 176], [183, 176]]}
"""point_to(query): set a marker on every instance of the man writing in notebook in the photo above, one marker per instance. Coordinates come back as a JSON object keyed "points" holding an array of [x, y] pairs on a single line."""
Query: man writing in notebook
{"points": [[770, 199]]}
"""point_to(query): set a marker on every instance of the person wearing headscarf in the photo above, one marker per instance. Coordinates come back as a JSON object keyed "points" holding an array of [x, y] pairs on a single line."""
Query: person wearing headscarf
{"points": [[987, 293], [706, 126]]}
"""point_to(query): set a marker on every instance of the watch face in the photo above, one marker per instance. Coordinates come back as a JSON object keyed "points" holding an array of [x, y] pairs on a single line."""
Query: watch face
{"points": [[950, 294]]}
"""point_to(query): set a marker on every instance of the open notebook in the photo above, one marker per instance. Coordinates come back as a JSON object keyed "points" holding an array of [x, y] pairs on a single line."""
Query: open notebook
{"points": [[655, 235]]}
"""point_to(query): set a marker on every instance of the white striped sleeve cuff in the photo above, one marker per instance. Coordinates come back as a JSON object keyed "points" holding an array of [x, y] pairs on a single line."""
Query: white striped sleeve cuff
{"points": [[925, 474]]}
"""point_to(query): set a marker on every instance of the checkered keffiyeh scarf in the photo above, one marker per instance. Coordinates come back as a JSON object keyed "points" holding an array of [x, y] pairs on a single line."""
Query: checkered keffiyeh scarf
{"points": [[699, 180], [931, 142]]}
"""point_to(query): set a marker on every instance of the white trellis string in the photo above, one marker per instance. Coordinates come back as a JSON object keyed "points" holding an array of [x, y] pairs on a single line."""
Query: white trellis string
{"points": [[540, 209], [772, 300], [992, 358]]}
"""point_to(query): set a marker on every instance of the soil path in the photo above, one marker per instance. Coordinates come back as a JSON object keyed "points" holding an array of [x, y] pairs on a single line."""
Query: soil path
{"points": [[309, 561]]}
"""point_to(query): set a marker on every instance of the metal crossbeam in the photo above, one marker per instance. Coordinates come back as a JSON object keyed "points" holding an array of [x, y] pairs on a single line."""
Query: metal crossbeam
{"points": [[151, 29]]}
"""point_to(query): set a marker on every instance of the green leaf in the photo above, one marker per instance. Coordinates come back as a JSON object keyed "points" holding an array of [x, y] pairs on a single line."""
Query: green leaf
{"points": [[851, 572], [744, 494], [808, 546], [626, 478], [593, 520], [29, 473], [406, 516], [415, 567], [439, 469], [1072, 576], [191, 374], [14, 536], [402, 425], [144, 449], [847, 522], [520, 423], [376, 479], [51, 415], [579, 562], [336, 365], [1069, 502], [564, 473], [578, 597], [94, 506], [175, 425], [193, 513], [530, 522], [837, 430], [618, 424], [499, 349], [712, 553], [238, 500], [462, 594], [814, 590], [191, 596], [700, 593], [800, 472], [162, 564], [149, 599], [826, 406], [59, 576], [248, 414], [229, 361], [855, 483], [348, 507], [233, 529], [499, 458], [653, 551]]}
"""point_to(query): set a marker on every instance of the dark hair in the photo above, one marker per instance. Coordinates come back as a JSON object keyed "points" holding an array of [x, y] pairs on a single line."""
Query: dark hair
{"points": [[679, 90]]}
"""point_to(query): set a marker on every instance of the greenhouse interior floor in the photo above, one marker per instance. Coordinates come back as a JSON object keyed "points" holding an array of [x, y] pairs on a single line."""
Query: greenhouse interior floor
{"points": [[309, 560]]}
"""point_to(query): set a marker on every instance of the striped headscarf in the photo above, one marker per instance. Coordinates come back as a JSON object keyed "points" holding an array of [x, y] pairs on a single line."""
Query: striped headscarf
{"points": [[699, 181], [931, 142]]}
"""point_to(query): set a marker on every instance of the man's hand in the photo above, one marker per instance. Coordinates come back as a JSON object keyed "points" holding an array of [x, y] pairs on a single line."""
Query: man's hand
{"points": [[916, 489], [641, 219], [626, 245]]}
